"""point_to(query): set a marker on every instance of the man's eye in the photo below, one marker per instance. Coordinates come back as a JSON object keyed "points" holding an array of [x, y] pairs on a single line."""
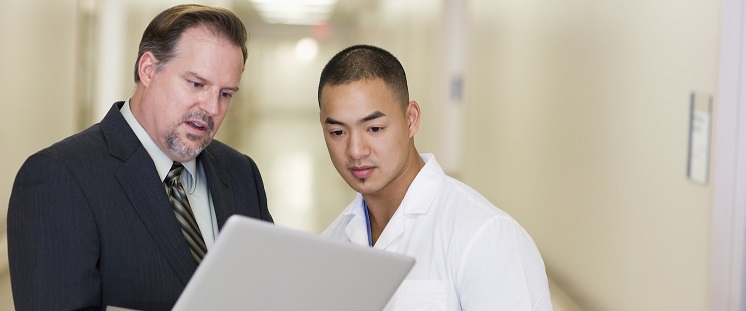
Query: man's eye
{"points": [[336, 133], [226, 94], [196, 84], [376, 129]]}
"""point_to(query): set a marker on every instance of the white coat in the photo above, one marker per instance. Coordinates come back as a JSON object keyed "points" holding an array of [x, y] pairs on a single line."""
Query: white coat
{"points": [[470, 255]]}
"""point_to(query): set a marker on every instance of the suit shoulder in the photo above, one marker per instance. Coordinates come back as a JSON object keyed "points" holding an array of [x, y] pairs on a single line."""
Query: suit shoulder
{"points": [[218, 147], [77, 145], [227, 155]]}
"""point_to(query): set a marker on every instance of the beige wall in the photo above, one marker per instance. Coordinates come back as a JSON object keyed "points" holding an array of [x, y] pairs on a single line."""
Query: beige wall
{"points": [[6, 297], [580, 109], [37, 90]]}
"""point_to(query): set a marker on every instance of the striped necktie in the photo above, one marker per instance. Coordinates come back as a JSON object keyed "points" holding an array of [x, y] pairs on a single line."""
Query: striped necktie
{"points": [[183, 211]]}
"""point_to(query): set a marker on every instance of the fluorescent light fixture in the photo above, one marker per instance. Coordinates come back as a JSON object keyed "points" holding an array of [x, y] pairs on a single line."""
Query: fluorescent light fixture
{"points": [[296, 12]]}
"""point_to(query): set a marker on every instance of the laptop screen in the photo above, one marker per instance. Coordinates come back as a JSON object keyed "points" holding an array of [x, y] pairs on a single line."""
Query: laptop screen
{"points": [[255, 265]]}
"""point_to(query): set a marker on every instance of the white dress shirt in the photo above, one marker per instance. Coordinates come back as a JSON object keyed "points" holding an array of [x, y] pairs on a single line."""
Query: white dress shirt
{"points": [[470, 255], [192, 177]]}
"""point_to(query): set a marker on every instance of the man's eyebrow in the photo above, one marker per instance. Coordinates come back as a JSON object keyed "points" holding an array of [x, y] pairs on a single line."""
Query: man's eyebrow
{"points": [[200, 79], [196, 76], [370, 117], [329, 120]]}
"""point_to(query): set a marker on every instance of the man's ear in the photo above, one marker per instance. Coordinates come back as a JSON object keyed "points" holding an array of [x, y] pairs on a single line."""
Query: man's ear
{"points": [[147, 67], [413, 117]]}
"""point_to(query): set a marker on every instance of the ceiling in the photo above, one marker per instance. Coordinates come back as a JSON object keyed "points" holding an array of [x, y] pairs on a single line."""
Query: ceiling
{"points": [[344, 12]]}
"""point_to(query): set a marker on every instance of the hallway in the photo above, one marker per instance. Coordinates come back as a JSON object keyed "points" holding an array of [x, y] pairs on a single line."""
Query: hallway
{"points": [[572, 116], [303, 188]]}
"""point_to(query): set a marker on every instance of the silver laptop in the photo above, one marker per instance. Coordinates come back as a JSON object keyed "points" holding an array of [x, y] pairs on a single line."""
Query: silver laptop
{"points": [[255, 265]]}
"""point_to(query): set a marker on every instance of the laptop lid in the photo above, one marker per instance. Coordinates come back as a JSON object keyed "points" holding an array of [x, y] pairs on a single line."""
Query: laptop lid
{"points": [[255, 265]]}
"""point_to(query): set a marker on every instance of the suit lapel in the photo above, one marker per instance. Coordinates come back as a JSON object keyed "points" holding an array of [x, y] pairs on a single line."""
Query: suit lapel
{"points": [[151, 203], [219, 184], [140, 181]]}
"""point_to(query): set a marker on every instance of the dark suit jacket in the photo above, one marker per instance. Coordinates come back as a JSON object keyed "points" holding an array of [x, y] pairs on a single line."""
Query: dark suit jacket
{"points": [[90, 224]]}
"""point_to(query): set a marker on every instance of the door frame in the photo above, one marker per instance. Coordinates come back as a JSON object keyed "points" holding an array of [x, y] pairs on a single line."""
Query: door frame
{"points": [[727, 274]]}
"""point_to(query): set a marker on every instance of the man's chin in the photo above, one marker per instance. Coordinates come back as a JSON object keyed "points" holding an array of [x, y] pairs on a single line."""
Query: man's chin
{"points": [[187, 153], [196, 139], [362, 186], [185, 147]]}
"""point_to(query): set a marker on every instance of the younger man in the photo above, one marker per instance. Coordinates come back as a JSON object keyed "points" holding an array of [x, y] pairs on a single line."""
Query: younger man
{"points": [[470, 255]]}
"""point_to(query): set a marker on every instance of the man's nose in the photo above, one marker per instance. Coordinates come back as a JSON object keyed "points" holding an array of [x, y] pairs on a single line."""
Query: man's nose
{"points": [[210, 102], [357, 146]]}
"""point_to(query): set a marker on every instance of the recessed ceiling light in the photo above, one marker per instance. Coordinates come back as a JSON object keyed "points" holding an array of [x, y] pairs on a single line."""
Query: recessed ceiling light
{"points": [[297, 12]]}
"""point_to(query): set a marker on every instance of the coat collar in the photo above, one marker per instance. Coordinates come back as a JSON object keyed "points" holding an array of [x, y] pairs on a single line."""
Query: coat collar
{"points": [[417, 201]]}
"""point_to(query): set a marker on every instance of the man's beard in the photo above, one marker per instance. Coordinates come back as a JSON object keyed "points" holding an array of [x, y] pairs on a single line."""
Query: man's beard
{"points": [[180, 148]]}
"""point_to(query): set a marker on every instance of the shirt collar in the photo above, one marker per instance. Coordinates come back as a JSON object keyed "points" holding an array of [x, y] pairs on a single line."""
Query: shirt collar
{"points": [[162, 162], [421, 192]]}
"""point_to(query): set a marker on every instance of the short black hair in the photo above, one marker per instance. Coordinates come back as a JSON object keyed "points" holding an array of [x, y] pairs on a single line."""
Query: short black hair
{"points": [[365, 62]]}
